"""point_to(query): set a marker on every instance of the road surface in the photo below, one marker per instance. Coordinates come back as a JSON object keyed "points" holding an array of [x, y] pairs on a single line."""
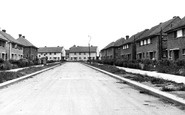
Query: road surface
{"points": [[74, 89]]}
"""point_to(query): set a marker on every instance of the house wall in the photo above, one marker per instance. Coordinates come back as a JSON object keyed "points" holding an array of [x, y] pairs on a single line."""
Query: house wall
{"points": [[16, 53], [127, 53], [110, 53], [2, 49], [30, 53], [152, 47], [176, 43], [82, 56], [118, 52], [103, 54]]}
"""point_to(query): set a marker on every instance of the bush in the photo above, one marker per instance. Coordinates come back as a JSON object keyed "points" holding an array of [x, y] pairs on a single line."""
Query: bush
{"points": [[180, 63], [1, 60], [6, 66]]}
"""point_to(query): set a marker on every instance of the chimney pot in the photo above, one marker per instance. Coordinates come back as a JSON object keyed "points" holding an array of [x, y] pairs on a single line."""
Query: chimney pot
{"points": [[127, 37], [4, 31], [23, 36]]}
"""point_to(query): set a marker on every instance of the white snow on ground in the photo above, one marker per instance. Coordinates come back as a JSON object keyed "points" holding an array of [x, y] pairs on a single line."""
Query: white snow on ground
{"points": [[176, 78], [74, 89]]}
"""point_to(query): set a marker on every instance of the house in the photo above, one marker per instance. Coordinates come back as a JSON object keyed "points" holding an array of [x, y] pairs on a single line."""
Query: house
{"points": [[3, 42], [29, 51], [83, 53], [52, 53], [14, 49], [152, 44], [128, 50], [176, 41], [108, 52], [118, 48]]}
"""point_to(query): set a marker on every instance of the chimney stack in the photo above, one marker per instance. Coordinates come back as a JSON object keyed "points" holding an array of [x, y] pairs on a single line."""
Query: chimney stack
{"points": [[127, 37], [4, 31], [20, 35]]}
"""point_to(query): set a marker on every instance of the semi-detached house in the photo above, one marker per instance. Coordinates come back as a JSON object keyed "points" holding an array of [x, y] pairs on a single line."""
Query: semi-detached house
{"points": [[153, 44], [10, 48], [52, 53], [29, 51], [81, 53], [108, 52], [176, 41]]}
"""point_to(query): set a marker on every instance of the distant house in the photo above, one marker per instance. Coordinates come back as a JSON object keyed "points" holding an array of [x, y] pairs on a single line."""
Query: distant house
{"points": [[52, 53], [81, 53], [152, 44], [30, 51], [14, 49], [176, 41], [108, 52]]}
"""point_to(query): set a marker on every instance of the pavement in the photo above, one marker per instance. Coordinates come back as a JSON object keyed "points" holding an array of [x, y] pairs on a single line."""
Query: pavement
{"points": [[74, 89], [176, 78]]}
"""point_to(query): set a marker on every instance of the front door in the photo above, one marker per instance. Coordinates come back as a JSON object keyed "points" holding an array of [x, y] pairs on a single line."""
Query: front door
{"points": [[176, 54]]}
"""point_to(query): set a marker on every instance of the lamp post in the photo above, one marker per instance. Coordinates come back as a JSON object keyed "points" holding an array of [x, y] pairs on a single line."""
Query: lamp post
{"points": [[89, 49]]}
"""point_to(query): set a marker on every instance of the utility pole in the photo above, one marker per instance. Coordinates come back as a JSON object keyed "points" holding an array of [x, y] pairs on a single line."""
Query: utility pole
{"points": [[89, 49]]}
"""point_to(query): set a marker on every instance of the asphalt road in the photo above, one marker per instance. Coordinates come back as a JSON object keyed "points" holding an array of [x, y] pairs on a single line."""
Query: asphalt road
{"points": [[74, 89]]}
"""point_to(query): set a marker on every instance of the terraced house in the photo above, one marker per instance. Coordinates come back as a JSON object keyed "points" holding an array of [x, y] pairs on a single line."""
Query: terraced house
{"points": [[153, 44], [30, 51], [10, 47], [52, 53], [176, 41], [81, 53]]}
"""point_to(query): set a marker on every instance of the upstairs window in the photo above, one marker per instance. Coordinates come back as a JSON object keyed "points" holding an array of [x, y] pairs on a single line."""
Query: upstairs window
{"points": [[145, 42], [141, 43], [149, 41], [179, 33]]}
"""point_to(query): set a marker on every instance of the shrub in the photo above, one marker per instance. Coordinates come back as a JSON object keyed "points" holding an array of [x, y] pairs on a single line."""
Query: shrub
{"points": [[180, 63], [1, 60], [6, 66]]}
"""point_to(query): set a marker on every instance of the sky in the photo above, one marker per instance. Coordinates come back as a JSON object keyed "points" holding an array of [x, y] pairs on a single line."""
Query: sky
{"points": [[66, 23]]}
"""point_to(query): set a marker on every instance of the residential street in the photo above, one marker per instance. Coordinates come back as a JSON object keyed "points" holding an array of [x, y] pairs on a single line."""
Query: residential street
{"points": [[74, 89]]}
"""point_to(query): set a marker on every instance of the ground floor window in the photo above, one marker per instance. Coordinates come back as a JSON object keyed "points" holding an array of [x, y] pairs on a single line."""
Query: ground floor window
{"points": [[183, 51]]}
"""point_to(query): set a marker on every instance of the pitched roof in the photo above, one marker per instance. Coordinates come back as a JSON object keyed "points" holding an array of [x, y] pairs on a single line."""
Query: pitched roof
{"points": [[119, 42], [135, 36], [50, 49], [179, 24], [25, 42], [82, 49], [165, 26], [2, 37], [109, 45], [9, 37], [147, 33]]}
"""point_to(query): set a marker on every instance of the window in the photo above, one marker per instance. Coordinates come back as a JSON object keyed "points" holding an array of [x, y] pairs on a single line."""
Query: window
{"points": [[55, 53], [179, 33], [79, 58], [183, 51], [50, 53], [149, 41], [183, 32], [141, 43], [74, 53], [145, 42], [84, 57], [84, 53], [79, 53]]}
